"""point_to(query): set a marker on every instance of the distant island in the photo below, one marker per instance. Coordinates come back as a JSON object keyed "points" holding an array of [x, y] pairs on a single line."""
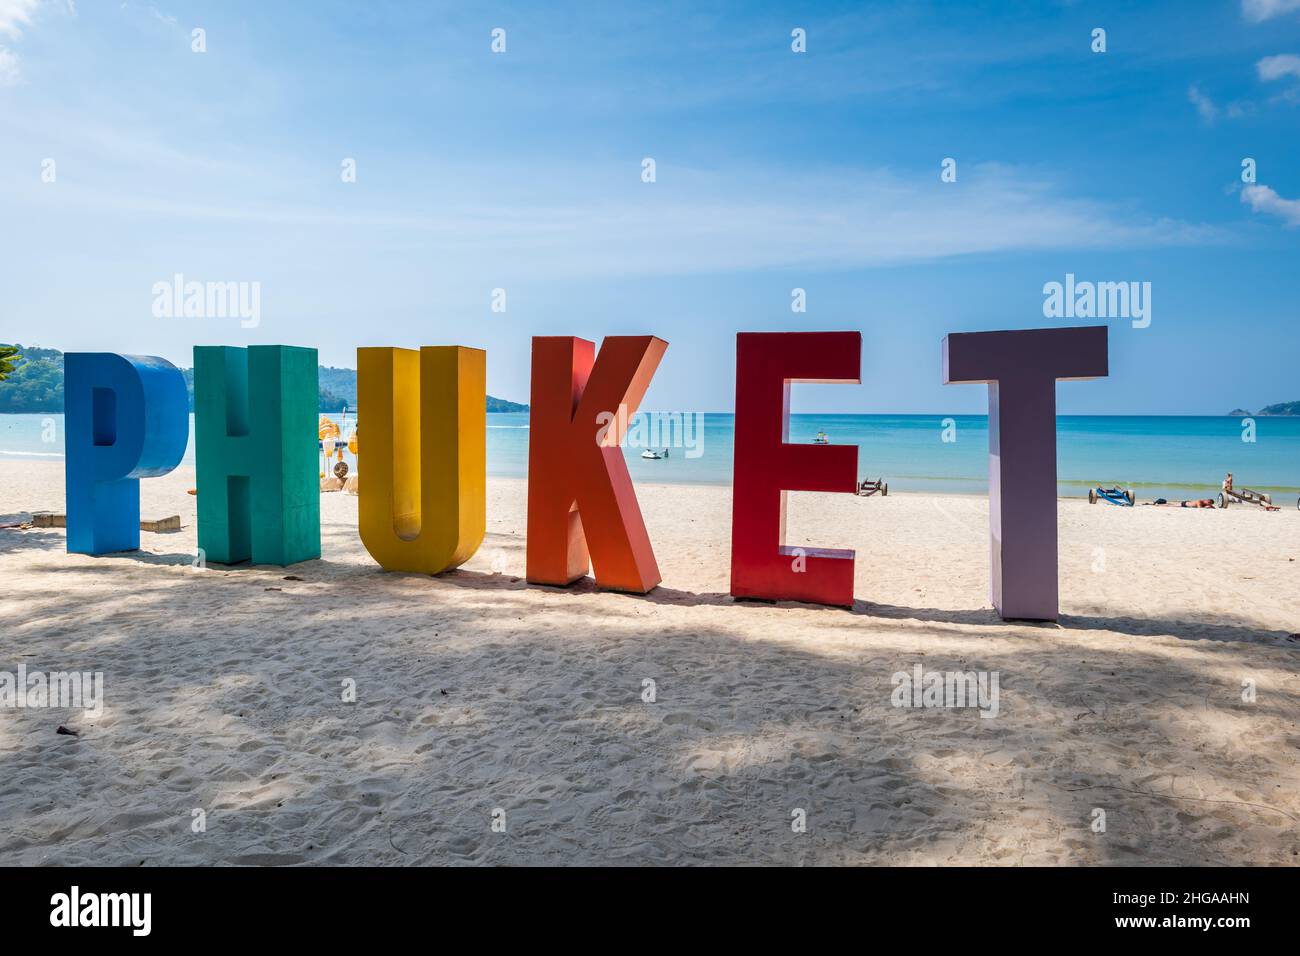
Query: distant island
{"points": [[36, 385], [1282, 408], [338, 386]]}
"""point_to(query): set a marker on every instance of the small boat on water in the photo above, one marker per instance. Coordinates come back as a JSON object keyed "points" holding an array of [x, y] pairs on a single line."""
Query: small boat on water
{"points": [[651, 455], [821, 439]]}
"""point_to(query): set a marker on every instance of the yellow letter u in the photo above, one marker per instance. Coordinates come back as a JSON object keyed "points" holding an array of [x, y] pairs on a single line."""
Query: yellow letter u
{"points": [[422, 497]]}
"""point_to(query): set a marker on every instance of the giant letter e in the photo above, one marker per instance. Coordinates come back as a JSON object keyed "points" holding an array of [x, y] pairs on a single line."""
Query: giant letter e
{"points": [[767, 466], [1021, 369], [582, 509]]}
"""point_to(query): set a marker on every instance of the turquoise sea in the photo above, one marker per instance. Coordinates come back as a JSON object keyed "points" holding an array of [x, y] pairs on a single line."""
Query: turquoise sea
{"points": [[1159, 456]]}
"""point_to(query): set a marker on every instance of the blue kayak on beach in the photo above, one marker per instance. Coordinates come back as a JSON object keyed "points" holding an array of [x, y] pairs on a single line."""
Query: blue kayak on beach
{"points": [[1112, 496]]}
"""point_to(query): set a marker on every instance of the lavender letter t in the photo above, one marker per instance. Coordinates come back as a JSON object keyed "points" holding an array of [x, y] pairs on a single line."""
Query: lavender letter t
{"points": [[1021, 370]]}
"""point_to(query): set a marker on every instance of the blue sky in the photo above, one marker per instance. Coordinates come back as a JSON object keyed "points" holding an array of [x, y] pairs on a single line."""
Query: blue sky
{"points": [[774, 170]]}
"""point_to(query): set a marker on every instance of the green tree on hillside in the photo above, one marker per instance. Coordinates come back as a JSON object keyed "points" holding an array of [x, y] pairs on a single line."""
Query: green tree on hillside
{"points": [[8, 360], [32, 379], [35, 383]]}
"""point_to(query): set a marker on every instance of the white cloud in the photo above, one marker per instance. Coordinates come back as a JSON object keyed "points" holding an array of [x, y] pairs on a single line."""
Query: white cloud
{"points": [[1211, 111], [1204, 105], [15, 15], [1276, 67], [8, 68], [1258, 11], [1265, 199], [693, 222]]}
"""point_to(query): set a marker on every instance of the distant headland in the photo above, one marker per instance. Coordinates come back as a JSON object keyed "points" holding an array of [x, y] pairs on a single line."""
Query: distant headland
{"points": [[1282, 408], [36, 385]]}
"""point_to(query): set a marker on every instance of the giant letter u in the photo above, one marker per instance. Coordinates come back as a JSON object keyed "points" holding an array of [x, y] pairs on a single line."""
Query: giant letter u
{"points": [[422, 463]]}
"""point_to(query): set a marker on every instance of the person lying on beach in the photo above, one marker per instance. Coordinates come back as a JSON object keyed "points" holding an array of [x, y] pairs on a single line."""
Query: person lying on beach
{"points": [[1198, 503]]}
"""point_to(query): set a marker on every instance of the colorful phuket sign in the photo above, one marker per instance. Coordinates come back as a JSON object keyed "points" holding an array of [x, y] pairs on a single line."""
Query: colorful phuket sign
{"points": [[422, 505]]}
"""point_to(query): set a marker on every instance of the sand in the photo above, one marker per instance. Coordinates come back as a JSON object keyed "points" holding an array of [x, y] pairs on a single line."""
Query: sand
{"points": [[477, 693]]}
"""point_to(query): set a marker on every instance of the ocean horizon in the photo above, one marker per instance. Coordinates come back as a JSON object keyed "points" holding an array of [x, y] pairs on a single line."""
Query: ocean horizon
{"points": [[1170, 456]]}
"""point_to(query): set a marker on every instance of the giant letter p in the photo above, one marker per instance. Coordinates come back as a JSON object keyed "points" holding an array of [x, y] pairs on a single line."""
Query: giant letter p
{"points": [[126, 418]]}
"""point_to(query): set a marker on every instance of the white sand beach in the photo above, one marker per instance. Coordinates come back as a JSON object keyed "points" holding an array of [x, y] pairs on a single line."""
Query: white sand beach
{"points": [[478, 692]]}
